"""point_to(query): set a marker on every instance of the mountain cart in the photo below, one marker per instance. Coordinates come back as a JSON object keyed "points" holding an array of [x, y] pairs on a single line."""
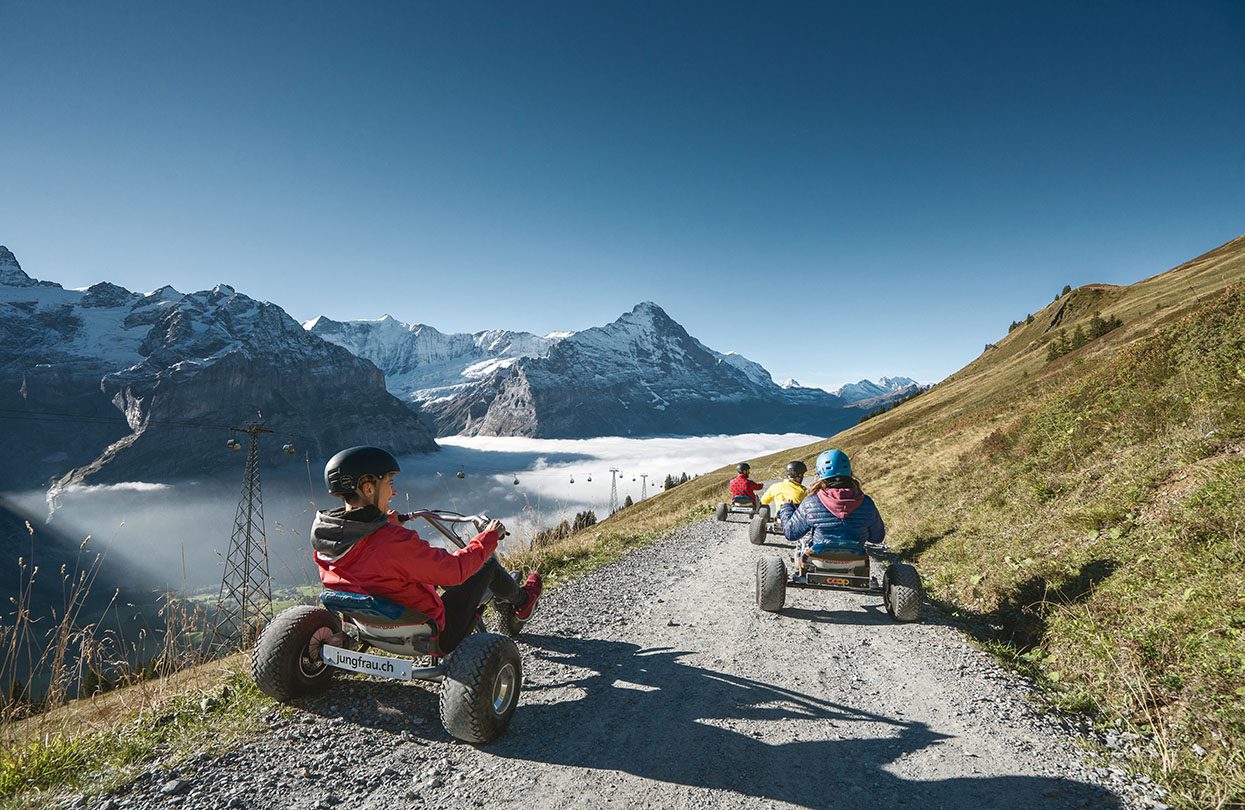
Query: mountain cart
{"points": [[299, 651], [876, 571], [742, 505]]}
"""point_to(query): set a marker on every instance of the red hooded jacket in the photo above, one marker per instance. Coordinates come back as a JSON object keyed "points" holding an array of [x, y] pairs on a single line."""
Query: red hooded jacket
{"points": [[366, 552]]}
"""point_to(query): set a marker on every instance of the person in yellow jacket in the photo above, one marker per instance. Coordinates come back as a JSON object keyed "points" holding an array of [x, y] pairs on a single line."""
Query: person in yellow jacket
{"points": [[789, 491]]}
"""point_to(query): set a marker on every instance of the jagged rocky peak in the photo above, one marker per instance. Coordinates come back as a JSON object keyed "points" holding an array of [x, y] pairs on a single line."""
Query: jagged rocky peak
{"points": [[105, 294], [12, 275], [648, 313], [165, 293]]}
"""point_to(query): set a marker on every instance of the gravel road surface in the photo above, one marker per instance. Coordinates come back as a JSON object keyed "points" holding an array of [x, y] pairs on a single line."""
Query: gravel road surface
{"points": [[656, 682]]}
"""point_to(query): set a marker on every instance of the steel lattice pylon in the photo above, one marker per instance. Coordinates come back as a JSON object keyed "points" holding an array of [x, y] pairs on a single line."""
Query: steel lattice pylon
{"points": [[244, 605], [613, 490]]}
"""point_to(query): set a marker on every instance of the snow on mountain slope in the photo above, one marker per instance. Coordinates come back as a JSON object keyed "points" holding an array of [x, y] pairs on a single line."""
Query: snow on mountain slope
{"points": [[97, 379], [867, 390], [422, 364]]}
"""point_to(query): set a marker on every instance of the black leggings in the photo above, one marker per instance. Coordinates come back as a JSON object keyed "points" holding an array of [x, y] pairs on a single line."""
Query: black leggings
{"points": [[462, 601]]}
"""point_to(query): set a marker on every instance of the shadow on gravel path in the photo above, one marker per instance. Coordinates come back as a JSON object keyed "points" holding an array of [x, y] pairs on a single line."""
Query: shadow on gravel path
{"points": [[866, 614], [645, 712]]}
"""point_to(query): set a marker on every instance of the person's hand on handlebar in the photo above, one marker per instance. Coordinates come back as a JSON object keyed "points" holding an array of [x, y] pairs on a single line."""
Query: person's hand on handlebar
{"points": [[495, 526]]}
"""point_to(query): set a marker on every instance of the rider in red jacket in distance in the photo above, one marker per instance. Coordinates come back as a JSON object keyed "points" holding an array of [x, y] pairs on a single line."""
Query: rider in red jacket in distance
{"points": [[742, 485]]}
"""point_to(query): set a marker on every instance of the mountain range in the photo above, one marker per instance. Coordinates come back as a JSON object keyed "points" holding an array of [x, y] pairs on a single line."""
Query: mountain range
{"points": [[103, 384], [642, 374]]}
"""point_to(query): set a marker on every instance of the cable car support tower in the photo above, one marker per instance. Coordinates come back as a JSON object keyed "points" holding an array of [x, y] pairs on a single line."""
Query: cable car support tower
{"points": [[244, 604]]}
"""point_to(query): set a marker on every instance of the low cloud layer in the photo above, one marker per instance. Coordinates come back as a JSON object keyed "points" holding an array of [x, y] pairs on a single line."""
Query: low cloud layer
{"points": [[180, 533]]}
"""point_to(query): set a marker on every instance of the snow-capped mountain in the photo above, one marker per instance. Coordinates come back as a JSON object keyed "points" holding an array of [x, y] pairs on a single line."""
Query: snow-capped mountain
{"points": [[422, 364], [107, 384], [885, 388], [643, 374]]}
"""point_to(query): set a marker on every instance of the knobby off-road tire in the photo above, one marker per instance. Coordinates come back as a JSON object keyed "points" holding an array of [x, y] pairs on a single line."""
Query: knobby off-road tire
{"points": [[757, 531], [720, 514], [771, 583], [283, 663], [903, 593], [481, 688]]}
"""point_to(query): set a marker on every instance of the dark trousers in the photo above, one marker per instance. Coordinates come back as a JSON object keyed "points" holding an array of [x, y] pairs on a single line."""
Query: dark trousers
{"points": [[462, 601]]}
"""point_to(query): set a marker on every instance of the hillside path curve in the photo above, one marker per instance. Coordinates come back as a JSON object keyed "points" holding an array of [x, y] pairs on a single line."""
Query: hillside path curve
{"points": [[656, 682]]}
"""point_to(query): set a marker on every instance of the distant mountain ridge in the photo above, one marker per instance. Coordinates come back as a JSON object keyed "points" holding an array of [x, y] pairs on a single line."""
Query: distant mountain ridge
{"points": [[642, 374], [877, 392], [104, 384], [422, 363]]}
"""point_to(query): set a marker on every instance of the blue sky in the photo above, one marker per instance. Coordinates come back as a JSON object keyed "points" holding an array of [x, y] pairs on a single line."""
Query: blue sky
{"points": [[905, 177]]}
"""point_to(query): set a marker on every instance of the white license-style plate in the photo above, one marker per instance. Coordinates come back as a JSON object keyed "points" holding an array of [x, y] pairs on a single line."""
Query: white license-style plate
{"points": [[379, 665]]}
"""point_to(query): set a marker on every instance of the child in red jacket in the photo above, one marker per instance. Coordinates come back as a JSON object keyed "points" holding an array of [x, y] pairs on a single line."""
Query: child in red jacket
{"points": [[361, 547], [743, 486]]}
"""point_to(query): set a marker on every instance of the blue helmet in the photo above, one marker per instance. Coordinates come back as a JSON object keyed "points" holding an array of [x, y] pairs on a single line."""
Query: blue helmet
{"points": [[834, 464]]}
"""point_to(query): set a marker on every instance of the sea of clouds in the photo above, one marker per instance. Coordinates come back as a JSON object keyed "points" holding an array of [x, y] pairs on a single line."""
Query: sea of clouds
{"points": [[180, 533]]}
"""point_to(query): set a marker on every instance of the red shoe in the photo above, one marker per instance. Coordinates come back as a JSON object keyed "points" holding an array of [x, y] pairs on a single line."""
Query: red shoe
{"points": [[532, 588]]}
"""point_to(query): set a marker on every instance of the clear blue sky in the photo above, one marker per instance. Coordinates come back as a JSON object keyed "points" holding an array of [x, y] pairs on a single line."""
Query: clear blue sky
{"points": [[910, 176]]}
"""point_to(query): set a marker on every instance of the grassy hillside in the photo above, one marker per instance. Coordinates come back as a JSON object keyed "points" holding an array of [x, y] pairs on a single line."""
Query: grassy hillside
{"points": [[1089, 507]]}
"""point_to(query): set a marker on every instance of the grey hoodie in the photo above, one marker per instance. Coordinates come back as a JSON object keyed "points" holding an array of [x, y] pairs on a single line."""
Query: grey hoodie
{"points": [[335, 531]]}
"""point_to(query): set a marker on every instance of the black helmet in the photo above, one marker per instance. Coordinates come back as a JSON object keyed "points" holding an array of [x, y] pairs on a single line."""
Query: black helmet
{"points": [[346, 469], [796, 468], [743, 468]]}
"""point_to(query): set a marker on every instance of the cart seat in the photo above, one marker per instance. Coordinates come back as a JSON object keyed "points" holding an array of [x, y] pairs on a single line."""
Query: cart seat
{"points": [[385, 624], [840, 561], [838, 556], [742, 500]]}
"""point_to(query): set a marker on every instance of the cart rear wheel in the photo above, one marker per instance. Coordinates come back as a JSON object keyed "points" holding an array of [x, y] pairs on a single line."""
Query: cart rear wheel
{"points": [[903, 592], [286, 660], [771, 583], [756, 531], [720, 514]]}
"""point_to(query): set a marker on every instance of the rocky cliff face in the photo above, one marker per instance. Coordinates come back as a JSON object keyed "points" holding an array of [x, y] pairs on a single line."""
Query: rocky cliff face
{"points": [[104, 384]]}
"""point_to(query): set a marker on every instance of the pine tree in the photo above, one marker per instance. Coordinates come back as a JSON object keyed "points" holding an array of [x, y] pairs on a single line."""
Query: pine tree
{"points": [[1067, 288], [628, 502], [668, 483], [1058, 346], [683, 479]]}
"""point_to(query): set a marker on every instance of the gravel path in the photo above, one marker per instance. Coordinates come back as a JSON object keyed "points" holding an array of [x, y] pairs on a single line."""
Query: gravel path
{"points": [[656, 682]]}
